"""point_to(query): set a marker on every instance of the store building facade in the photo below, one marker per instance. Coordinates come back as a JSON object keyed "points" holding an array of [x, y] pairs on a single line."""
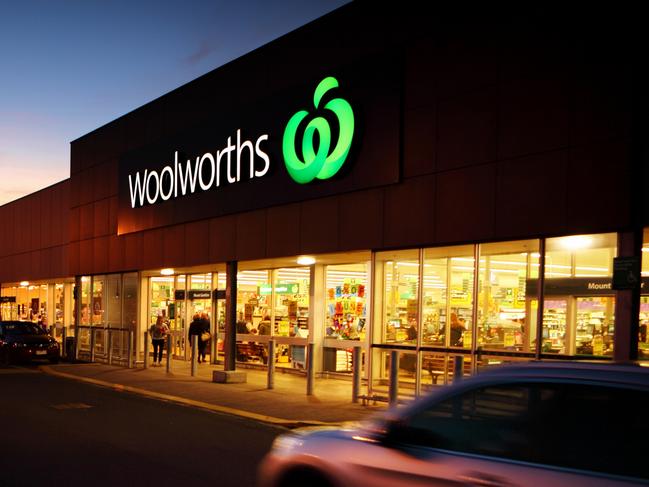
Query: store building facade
{"points": [[435, 186]]}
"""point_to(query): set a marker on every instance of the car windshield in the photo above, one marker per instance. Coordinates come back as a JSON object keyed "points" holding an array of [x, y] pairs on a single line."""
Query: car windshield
{"points": [[13, 329]]}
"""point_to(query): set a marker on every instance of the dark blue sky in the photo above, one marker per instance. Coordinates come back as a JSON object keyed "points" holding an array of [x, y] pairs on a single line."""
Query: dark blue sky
{"points": [[70, 66]]}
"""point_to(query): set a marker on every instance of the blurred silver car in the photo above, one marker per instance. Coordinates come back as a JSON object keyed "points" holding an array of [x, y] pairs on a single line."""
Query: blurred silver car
{"points": [[538, 424]]}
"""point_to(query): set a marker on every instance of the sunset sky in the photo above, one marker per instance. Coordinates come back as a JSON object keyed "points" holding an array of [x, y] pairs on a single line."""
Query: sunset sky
{"points": [[68, 67]]}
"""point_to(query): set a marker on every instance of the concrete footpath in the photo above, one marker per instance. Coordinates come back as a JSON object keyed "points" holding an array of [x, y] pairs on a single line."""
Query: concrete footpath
{"points": [[286, 405]]}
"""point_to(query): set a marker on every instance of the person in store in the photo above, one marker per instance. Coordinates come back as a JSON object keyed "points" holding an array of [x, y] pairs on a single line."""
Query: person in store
{"points": [[242, 327], [202, 342], [457, 330], [159, 331], [197, 327], [264, 325], [412, 330]]}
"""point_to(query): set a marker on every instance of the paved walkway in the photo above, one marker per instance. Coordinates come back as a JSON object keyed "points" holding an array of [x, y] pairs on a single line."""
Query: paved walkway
{"points": [[285, 405]]}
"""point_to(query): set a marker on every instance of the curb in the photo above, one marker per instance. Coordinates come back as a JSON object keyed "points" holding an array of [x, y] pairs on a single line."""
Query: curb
{"points": [[285, 423]]}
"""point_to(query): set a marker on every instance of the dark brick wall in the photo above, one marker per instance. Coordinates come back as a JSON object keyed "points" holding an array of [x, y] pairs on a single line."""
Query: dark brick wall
{"points": [[510, 126]]}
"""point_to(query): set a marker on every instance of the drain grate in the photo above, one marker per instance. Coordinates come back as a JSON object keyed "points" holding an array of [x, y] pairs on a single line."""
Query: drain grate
{"points": [[72, 405]]}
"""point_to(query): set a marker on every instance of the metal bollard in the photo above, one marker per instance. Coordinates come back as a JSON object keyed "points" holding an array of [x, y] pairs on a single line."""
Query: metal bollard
{"points": [[92, 344], [146, 350], [77, 332], [110, 346], [458, 367], [194, 354], [131, 336], [64, 343], [271, 364], [310, 376], [356, 373], [169, 352], [394, 377]]}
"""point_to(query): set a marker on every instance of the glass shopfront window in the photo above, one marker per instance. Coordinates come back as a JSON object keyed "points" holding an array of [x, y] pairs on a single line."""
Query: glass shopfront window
{"points": [[398, 275], [291, 310], [85, 306], [346, 305], [447, 307], [643, 338], [254, 302], [579, 303], [505, 316], [9, 305], [97, 301], [273, 303], [161, 297], [59, 304]]}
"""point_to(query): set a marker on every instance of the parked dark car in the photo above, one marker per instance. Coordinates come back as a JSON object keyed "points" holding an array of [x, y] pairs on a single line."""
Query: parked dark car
{"points": [[540, 424], [23, 341]]}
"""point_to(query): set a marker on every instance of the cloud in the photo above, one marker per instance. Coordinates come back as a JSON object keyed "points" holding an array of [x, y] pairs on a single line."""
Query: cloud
{"points": [[204, 49]]}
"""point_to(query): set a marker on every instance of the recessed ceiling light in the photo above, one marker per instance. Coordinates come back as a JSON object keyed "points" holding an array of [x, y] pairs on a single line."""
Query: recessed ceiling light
{"points": [[305, 260], [24, 283], [167, 272]]}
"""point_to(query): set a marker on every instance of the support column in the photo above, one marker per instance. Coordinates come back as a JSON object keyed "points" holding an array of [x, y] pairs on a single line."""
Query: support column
{"points": [[230, 345], [317, 294], [68, 303], [627, 302], [51, 311]]}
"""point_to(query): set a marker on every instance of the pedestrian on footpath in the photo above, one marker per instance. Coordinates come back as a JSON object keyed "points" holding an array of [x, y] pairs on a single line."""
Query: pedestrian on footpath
{"points": [[198, 326], [159, 332]]}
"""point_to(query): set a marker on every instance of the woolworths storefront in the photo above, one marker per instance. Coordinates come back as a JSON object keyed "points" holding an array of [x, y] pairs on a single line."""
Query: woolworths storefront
{"points": [[425, 187]]}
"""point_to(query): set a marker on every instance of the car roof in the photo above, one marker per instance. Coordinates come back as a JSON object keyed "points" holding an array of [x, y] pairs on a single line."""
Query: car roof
{"points": [[622, 373]]}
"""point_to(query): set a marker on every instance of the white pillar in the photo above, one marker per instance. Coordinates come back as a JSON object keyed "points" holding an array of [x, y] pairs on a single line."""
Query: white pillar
{"points": [[68, 303], [317, 313], [51, 311]]}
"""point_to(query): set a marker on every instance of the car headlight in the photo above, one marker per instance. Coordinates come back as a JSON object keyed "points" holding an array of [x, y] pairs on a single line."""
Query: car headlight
{"points": [[287, 443]]}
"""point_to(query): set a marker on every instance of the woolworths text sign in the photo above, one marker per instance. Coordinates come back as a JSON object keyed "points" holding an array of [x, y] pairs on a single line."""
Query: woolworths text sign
{"points": [[241, 159], [296, 145]]}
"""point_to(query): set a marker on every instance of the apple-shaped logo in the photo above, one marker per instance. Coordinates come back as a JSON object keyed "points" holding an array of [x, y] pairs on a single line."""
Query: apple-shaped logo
{"points": [[320, 164]]}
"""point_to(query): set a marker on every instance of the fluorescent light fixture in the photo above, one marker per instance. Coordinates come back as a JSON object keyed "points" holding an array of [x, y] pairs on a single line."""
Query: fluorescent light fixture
{"points": [[169, 272], [24, 283], [305, 260]]}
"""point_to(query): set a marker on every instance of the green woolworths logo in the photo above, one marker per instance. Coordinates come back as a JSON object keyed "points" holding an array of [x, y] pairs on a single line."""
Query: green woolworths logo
{"points": [[320, 164]]}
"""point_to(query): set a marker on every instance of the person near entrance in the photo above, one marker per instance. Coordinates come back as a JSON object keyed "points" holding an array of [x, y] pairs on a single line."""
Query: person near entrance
{"points": [[159, 331], [200, 324]]}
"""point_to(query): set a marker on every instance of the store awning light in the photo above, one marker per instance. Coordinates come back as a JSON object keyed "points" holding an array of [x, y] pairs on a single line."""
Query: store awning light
{"points": [[305, 260], [24, 283], [167, 272]]}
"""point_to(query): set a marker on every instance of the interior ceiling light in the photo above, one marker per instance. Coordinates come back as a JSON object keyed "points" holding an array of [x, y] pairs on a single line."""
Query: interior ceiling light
{"points": [[576, 242], [168, 272], [24, 283], [305, 260]]}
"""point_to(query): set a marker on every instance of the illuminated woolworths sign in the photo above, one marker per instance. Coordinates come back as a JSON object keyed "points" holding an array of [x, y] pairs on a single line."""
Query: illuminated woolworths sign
{"points": [[319, 163], [182, 178], [243, 159]]}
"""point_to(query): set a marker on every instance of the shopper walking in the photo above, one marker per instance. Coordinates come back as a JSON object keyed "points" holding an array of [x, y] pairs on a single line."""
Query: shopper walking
{"points": [[198, 327], [159, 332]]}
